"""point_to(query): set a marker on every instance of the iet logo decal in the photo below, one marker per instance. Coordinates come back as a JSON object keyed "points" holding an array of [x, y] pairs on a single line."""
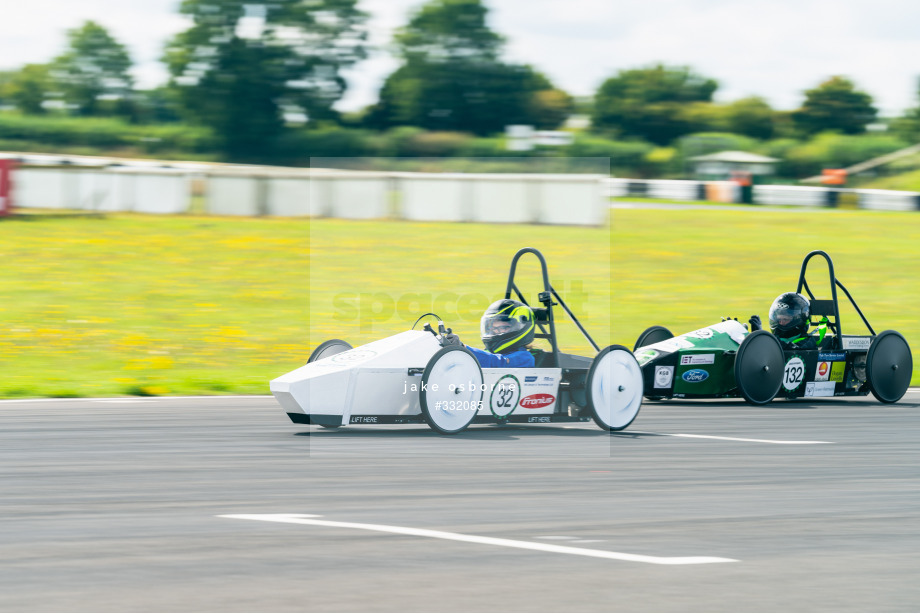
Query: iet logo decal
{"points": [[695, 376]]}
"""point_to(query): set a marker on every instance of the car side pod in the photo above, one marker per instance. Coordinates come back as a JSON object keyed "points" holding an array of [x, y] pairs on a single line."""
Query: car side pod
{"points": [[889, 366], [759, 367], [614, 388]]}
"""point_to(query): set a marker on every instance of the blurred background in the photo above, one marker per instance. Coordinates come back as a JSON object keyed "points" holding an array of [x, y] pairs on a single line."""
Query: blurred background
{"points": [[805, 86], [306, 170]]}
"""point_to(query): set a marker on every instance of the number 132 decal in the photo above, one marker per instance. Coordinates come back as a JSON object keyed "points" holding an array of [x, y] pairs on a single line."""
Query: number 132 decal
{"points": [[793, 374]]}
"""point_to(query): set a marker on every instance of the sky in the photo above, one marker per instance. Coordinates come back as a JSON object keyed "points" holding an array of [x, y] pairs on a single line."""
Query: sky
{"points": [[776, 49]]}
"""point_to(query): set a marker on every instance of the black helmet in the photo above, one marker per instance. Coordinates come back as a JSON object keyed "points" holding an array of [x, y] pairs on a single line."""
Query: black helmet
{"points": [[789, 315], [507, 326]]}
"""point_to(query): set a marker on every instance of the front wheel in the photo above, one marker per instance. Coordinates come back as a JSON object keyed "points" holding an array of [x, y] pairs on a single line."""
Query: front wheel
{"points": [[759, 367], [452, 390], [614, 388], [889, 366]]}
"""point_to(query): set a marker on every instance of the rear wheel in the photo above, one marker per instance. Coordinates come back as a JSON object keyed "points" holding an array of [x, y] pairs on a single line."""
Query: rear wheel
{"points": [[329, 348], [889, 366], [759, 367], [614, 388], [651, 335], [325, 350], [452, 387]]}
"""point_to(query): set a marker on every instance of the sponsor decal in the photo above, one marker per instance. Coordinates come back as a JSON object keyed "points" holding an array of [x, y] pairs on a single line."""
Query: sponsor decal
{"points": [[694, 376], [703, 333], [698, 359], [645, 356], [837, 370], [823, 371], [793, 374], [549, 379], [505, 396], [832, 356], [416, 370], [857, 343], [663, 377], [363, 420], [538, 419], [536, 401], [351, 357], [530, 378], [820, 389]]}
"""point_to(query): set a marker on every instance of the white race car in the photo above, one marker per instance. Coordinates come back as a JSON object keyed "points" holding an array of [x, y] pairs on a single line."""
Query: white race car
{"points": [[417, 376]]}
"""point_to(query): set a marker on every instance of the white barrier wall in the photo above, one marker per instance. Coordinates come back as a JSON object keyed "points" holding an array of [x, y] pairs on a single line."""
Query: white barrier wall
{"points": [[164, 194], [288, 197], [234, 195], [502, 199], [571, 199], [101, 190], [39, 188], [790, 195], [674, 189], [889, 200], [350, 195], [434, 198]]}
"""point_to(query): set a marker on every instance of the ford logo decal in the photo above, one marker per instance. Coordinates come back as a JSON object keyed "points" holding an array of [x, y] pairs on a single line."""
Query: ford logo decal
{"points": [[695, 375]]}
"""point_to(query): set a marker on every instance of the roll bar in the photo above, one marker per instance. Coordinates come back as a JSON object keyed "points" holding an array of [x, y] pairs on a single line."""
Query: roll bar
{"points": [[544, 315], [822, 306]]}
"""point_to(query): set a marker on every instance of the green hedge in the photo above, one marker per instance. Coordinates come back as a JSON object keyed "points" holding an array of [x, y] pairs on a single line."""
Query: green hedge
{"points": [[104, 134]]}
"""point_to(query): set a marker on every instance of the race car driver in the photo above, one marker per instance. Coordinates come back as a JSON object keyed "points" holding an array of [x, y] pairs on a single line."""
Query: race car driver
{"points": [[789, 322], [507, 327]]}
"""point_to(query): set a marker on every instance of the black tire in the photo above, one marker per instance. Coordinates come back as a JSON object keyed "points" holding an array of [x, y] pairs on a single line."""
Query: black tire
{"points": [[759, 367], [889, 366], [438, 372], [329, 348], [614, 388], [652, 334]]}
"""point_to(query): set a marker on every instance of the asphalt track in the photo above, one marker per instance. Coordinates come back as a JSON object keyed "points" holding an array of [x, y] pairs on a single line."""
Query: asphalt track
{"points": [[221, 504]]}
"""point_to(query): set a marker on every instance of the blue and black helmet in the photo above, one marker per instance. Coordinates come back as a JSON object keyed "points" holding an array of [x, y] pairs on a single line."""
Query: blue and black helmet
{"points": [[507, 326]]}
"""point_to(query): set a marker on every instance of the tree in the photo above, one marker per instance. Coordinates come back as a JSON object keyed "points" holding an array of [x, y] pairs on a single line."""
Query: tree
{"points": [[27, 88], [835, 105], [751, 117], [244, 63], [94, 67], [648, 102], [908, 125], [453, 78]]}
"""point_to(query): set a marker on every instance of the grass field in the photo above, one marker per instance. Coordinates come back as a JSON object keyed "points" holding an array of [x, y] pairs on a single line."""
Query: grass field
{"points": [[131, 305]]}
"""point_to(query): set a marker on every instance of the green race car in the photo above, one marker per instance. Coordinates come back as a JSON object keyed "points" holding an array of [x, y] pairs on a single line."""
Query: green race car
{"points": [[726, 360]]}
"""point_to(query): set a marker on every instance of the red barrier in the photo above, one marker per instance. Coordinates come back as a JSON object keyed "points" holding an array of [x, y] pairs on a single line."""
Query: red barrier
{"points": [[6, 187]]}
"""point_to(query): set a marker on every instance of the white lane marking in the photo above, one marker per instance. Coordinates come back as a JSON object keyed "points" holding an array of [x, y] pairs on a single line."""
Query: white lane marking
{"points": [[777, 441], [310, 519]]}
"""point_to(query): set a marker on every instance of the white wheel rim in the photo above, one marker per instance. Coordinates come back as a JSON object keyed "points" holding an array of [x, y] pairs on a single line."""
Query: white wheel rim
{"points": [[616, 389], [455, 402]]}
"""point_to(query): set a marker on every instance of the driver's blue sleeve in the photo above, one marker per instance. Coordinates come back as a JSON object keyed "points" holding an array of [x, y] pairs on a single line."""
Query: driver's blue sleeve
{"points": [[521, 358]]}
